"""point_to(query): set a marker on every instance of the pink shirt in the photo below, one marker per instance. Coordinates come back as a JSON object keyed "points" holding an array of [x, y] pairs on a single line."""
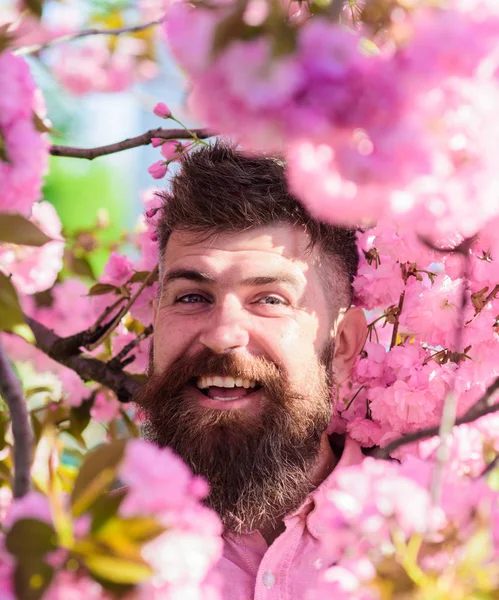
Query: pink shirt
{"points": [[286, 569]]}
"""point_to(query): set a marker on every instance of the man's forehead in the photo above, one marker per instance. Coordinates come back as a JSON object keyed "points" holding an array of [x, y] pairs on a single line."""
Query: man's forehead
{"points": [[286, 242]]}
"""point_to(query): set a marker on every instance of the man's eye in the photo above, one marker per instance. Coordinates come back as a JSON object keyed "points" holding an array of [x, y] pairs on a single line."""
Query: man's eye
{"points": [[191, 299], [273, 300]]}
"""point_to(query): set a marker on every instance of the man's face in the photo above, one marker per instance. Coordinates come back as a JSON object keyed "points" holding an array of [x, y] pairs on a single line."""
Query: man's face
{"points": [[242, 367]]}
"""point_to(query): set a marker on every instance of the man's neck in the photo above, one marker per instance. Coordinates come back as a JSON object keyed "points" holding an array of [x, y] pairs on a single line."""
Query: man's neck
{"points": [[326, 462]]}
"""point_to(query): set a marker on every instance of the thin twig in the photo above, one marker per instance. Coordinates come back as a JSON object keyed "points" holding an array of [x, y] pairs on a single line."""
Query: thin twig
{"points": [[69, 37], [141, 140], [117, 362], [11, 391], [115, 322], [397, 320], [106, 312]]}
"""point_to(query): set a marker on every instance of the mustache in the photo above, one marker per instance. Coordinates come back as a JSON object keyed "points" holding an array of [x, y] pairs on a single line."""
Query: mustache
{"points": [[232, 364]]}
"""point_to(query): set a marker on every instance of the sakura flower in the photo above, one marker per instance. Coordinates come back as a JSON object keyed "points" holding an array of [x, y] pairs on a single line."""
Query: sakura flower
{"points": [[26, 150], [161, 110], [158, 169], [118, 270], [105, 407]]}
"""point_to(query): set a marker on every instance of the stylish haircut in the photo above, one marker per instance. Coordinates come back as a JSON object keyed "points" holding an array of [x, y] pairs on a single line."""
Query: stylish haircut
{"points": [[220, 189]]}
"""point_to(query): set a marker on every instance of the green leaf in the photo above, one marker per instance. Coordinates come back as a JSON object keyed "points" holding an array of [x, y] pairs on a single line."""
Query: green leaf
{"points": [[99, 289], [131, 427], [142, 529], [42, 125], [96, 475], [36, 426], [106, 507], [79, 416], [31, 579], [30, 538], [16, 229], [116, 569], [11, 314], [3, 431], [141, 276], [24, 331], [79, 265]]}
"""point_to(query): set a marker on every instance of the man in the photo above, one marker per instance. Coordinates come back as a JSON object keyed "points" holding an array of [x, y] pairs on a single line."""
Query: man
{"points": [[253, 331]]}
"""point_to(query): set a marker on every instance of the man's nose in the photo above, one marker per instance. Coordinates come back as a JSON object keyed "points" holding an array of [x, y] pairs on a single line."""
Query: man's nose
{"points": [[226, 328]]}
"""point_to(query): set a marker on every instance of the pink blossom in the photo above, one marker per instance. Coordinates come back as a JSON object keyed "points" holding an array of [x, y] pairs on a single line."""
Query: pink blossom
{"points": [[170, 150], [431, 313], [69, 586], [26, 149], [404, 407], [35, 269], [379, 286], [105, 408], [372, 365], [32, 506], [90, 65], [149, 470], [161, 110], [358, 129], [118, 270], [158, 169], [366, 432]]}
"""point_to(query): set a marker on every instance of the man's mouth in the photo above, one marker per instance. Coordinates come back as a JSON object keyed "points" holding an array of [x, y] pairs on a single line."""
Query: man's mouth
{"points": [[226, 389]]}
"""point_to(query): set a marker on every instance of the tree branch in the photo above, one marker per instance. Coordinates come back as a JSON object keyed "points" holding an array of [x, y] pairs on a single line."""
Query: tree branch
{"points": [[69, 37], [11, 391], [87, 367], [141, 140], [481, 408]]}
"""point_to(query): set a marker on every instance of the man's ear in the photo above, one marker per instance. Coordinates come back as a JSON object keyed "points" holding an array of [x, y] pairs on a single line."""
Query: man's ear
{"points": [[350, 332]]}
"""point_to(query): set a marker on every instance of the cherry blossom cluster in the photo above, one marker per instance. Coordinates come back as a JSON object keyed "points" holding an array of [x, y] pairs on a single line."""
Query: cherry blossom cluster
{"points": [[176, 538], [94, 64], [23, 149], [383, 532], [402, 125], [422, 343]]}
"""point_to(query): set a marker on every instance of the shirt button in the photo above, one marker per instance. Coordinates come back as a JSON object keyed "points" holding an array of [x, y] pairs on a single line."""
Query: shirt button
{"points": [[268, 579]]}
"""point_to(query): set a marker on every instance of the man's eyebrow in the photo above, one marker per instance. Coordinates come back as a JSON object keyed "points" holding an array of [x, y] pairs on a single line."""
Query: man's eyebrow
{"points": [[189, 274], [258, 280], [269, 279]]}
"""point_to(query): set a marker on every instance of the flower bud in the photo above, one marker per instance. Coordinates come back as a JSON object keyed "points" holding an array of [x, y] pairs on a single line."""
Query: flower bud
{"points": [[158, 169], [161, 110]]}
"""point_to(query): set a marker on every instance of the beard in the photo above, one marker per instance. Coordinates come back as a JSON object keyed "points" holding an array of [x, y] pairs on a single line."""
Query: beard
{"points": [[259, 465]]}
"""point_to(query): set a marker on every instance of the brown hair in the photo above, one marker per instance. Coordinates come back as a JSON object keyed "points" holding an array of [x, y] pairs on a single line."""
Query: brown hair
{"points": [[220, 189]]}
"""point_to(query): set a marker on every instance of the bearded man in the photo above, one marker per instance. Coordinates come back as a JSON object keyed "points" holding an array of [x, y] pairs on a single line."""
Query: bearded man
{"points": [[253, 332]]}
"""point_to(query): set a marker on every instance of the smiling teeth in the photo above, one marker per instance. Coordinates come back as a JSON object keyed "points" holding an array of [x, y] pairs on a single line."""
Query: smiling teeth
{"points": [[226, 382]]}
